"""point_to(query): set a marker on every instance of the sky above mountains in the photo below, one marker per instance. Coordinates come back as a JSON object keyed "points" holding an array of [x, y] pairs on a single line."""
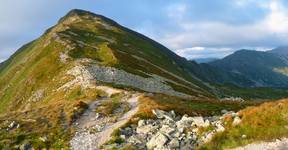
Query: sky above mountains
{"points": [[192, 29]]}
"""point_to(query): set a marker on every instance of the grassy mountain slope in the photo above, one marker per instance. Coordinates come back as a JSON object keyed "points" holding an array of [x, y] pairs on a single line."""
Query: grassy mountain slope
{"points": [[229, 84], [261, 69], [79, 35], [47, 83]]}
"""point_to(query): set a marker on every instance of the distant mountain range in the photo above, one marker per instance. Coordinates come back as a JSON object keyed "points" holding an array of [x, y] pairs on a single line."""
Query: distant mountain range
{"points": [[282, 50], [248, 68], [205, 60]]}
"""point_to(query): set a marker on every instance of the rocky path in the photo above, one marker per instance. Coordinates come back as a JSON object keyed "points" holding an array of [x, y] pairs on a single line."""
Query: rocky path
{"points": [[275, 145], [104, 135], [93, 131]]}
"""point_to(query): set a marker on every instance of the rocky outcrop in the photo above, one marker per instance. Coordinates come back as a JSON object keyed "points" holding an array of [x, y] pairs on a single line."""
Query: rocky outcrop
{"points": [[173, 132], [87, 76], [81, 76], [233, 99], [120, 77]]}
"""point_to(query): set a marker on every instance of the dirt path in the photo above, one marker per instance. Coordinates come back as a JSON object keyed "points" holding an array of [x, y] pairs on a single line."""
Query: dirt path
{"points": [[85, 140], [275, 145]]}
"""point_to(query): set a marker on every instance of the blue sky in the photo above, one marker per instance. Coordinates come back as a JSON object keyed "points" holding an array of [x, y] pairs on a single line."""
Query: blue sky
{"points": [[191, 28]]}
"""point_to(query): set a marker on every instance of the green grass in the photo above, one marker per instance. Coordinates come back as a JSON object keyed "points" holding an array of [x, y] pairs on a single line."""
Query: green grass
{"points": [[75, 93], [252, 93], [184, 106]]}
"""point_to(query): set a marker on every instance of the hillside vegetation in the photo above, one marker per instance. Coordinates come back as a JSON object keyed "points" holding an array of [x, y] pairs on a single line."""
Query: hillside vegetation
{"points": [[88, 62], [259, 123]]}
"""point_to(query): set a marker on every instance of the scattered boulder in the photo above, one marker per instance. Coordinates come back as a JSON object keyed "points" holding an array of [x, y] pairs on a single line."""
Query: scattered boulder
{"points": [[43, 139], [207, 137], [167, 130], [158, 113], [236, 121], [219, 128], [135, 139], [172, 113], [97, 115], [199, 122], [13, 125], [141, 123], [146, 129], [173, 144], [206, 123], [158, 140], [123, 137], [184, 122]]}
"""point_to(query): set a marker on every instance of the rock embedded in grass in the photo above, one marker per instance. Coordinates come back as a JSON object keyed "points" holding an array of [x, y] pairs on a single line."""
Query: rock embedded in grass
{"points": [[236, 121]]}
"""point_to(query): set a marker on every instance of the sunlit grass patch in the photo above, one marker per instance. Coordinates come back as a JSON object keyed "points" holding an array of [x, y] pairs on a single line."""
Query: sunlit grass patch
{"points": [[265, 122]]}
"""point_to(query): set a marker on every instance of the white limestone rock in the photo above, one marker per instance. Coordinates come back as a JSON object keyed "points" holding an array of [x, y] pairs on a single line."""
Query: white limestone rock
{"points": [[236, 121], [158, 140]]}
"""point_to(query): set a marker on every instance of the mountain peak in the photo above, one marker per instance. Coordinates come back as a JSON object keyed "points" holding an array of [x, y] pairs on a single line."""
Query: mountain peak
{"points": [[282, 50], [86, 14], [243, 51], [78, 12]]}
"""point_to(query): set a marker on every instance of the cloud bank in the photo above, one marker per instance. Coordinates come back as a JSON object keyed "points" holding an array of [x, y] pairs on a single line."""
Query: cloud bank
{"points": [[220, 38]]}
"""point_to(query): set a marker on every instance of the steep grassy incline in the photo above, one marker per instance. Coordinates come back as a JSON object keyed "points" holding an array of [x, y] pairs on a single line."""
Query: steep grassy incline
{"points": [[132, 52], [260, 69], [39, 66]]}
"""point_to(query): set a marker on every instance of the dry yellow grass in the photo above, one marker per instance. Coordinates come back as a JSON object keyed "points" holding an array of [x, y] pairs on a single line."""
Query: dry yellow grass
{"points": [[265, 122]]}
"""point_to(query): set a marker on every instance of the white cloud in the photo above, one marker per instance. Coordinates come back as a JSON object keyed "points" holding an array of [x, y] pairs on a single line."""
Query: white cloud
{"points": [[277, 20], [213, 34], [216, 35], [203, 52], [213, 52]]}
